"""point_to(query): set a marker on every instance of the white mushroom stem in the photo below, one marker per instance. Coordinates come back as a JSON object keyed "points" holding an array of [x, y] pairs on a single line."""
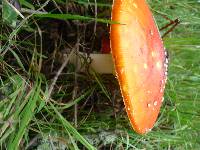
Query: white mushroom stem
{"points": [[100, 63]]}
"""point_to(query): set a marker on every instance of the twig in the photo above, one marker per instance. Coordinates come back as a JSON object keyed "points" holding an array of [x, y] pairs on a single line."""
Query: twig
{"points": [[33, 141], [40, 5], [57, 6], [75, 105], [59, 72], [75, 82], [95, 23], [174, 23], [29, 11]]}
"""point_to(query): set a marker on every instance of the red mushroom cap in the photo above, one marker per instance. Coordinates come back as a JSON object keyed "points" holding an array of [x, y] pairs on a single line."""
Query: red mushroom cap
{"points": [[105, 45], [140, 61]]}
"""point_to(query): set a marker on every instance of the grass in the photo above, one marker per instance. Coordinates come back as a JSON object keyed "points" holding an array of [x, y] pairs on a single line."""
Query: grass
{"points": [[81, 112]]}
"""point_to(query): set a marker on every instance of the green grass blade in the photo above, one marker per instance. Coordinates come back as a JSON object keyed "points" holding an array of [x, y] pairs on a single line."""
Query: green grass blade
{"points": [[73, 17], [18, 59], [71, 129], [26, 116], [103, 88], [72, 103]]}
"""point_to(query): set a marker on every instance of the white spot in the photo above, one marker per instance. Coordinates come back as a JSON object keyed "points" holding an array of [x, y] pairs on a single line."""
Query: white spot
{"points": [[128, 109], [145, 66], [166, 61], [162, 81], [158, 65], [166, 66], [147, 130], [139, 129], [126, 30], [163, 99], [135, 5], [164, 87], [155, 103], [148, 105], [133, 113], [165, 79], [165, 52], [153, 54], [148, 92], [122, 70], [151, 32]]}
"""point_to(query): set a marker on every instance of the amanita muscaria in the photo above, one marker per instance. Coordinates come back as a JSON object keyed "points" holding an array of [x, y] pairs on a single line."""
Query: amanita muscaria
{"points": [[139, 60]]}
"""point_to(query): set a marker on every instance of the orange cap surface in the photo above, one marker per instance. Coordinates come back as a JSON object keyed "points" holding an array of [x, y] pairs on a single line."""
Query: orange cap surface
{"points": [[140, 61]]}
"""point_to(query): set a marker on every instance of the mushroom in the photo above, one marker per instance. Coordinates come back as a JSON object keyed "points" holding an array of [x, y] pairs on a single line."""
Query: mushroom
{"points": [[140, 61]]}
